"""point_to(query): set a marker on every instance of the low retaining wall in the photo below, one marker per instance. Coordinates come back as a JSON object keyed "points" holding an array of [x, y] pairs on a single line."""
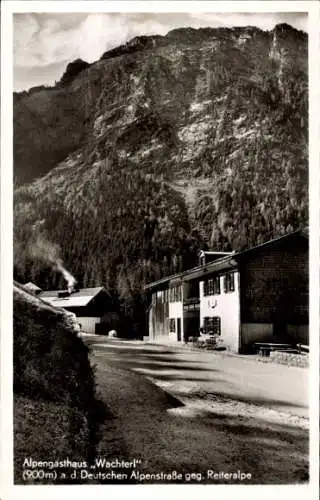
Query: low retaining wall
{"points": [[287, 358]]}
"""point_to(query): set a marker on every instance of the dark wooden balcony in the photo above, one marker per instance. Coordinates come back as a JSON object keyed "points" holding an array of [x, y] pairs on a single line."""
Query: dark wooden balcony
{"points": [[191, 303]]}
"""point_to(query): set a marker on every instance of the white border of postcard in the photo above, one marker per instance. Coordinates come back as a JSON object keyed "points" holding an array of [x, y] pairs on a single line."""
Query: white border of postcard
{"points": [[292, 492]]}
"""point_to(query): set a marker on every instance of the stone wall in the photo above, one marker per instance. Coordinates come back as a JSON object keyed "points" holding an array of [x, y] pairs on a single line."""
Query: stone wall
{"points": [[287, 358]]}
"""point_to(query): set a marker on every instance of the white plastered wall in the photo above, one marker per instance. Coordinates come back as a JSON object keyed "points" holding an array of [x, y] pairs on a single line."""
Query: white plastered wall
{"points": [[227, 307], [175, 312]]}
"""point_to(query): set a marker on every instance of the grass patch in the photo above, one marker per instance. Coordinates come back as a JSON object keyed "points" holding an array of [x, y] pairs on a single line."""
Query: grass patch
{"points": [[48, 431]]}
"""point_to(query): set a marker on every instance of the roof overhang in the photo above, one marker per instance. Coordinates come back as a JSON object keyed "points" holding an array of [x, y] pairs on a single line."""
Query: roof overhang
{"points": [[196, 273], [211, 268], [174, 279]]}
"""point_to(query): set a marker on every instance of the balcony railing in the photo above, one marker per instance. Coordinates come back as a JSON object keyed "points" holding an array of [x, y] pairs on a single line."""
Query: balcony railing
{"points": [[191, 300], [191, 304]]}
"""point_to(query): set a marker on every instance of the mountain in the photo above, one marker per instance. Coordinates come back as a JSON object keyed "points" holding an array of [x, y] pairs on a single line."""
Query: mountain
{"points": [[165, 145]]}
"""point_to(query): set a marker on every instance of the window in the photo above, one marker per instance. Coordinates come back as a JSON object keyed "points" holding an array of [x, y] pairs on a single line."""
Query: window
{"points": [[175, 293], [212, 326], [172, 325], [229, 282], [212, 286]]}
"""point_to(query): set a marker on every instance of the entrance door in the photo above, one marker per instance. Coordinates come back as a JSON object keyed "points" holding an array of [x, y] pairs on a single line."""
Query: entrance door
{"points": [[179, 329], [191, 326]]}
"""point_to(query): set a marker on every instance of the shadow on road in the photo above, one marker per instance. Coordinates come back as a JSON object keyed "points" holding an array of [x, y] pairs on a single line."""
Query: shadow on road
{"points": [[158, 367], [154, 425]]}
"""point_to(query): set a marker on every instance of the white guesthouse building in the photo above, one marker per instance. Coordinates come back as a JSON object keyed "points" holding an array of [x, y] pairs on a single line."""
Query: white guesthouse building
{"points": [[260, 294]]}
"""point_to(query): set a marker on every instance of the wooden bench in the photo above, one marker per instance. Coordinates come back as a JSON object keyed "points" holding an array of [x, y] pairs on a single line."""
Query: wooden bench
{"points": [[264, 348]]}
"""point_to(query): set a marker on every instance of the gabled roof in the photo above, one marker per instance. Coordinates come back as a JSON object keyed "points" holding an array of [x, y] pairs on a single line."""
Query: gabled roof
{"points": [[80, 298], [225, 263]]}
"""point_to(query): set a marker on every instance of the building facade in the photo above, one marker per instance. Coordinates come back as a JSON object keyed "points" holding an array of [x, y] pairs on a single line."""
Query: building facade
{"points": [[257, 295]]}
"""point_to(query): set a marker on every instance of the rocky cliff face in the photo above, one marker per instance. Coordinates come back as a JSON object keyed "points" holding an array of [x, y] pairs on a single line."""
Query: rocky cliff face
{"points": [[163, 145]]}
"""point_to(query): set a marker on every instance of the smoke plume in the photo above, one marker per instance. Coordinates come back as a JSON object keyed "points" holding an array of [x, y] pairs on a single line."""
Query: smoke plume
{"points": [[67, 276], [49, 252]]}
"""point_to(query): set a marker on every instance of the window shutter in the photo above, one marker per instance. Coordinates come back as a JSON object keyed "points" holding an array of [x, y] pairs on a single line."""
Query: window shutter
{"points": [[232, 287], [217, 285]]}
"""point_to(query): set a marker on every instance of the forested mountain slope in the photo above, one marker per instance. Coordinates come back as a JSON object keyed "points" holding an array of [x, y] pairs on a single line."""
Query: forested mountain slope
{"points": [[165, 145]]}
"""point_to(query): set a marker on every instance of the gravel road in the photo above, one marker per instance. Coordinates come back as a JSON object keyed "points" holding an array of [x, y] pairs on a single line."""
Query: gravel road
{"points": [[193, 413]]}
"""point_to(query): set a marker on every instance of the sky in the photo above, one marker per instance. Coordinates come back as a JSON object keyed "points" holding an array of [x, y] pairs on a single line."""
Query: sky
{"points": [[44, 43]]}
